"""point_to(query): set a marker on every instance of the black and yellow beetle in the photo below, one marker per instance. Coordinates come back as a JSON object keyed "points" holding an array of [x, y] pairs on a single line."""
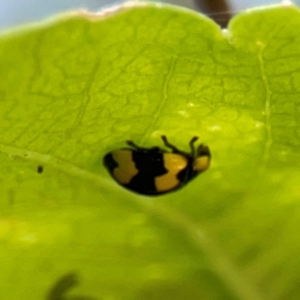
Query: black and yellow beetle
{"points": [[155, 171]]}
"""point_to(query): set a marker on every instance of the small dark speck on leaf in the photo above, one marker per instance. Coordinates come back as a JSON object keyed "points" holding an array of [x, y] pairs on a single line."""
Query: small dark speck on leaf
{"points": [[40, 169]]}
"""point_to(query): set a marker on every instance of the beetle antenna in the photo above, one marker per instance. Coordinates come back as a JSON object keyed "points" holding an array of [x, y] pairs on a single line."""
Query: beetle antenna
{"points": [[167, 144]]}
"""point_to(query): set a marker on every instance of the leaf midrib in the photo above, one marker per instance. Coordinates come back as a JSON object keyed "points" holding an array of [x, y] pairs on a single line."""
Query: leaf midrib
{"points": [[220, 263]]}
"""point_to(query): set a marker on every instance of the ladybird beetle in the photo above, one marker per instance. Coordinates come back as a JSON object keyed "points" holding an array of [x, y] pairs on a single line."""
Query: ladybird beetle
{"points": [[155, 171]]}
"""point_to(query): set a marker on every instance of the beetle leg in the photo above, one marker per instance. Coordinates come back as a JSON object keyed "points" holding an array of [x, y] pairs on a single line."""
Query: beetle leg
{"points": [[133, 145], [192, 146], [167, 144]]}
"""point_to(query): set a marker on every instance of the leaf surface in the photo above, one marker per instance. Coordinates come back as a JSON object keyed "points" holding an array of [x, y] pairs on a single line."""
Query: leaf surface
{"points": [[77, 87]]}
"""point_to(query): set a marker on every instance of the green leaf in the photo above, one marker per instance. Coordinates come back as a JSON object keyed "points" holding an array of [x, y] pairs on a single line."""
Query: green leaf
{"points": [[79, 86]]}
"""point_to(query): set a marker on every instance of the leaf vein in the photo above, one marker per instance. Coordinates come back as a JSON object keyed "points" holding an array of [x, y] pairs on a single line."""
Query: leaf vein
{"points": [[267, 107]]}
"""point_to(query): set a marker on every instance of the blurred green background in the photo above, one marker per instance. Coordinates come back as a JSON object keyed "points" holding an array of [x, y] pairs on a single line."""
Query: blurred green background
{"points": [[16, 12]]}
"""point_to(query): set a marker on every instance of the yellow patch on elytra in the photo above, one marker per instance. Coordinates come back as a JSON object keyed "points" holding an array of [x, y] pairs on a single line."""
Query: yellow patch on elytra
{"points": [[201, 163], [173, 163], [126, 168]]}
